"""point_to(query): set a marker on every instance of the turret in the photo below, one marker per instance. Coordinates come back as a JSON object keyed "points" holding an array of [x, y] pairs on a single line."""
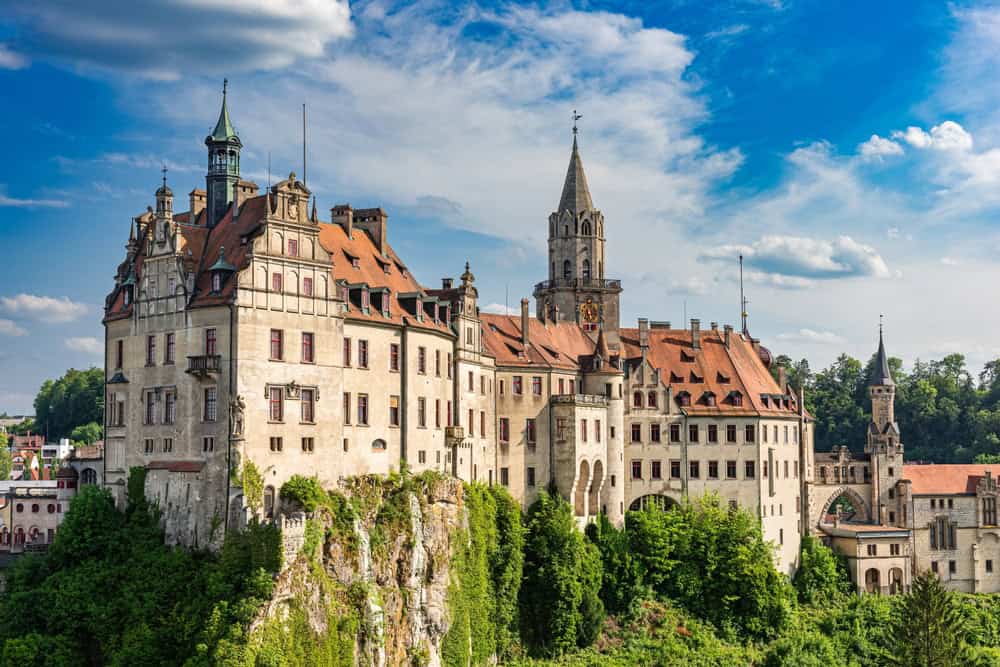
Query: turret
{"points": [[223, 165]]}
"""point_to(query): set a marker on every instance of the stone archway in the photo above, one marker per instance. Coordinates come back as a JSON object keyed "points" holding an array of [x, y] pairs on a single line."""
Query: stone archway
{"points": [[596, 484], [582, 486], [652, 500], [872, 581], [896, 581], [862, 513]]}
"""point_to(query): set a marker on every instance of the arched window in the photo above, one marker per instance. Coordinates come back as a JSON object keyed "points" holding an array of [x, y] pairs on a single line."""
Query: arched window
{"points": [[269, 502], [567, 269], [88, 476], [651, 399], [586, 269], [379, 444], [637, 399], [586, 228]]}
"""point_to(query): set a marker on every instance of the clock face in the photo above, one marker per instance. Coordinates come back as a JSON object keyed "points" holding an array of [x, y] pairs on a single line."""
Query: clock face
{"points": [[588, 311]]}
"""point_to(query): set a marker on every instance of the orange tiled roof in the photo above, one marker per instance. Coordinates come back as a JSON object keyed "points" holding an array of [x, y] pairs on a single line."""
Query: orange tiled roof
{"points": [[550, 344], [947, 478], [711, 368]]}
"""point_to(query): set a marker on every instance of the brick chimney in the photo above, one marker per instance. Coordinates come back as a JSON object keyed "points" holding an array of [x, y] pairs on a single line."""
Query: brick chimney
{"points": [[343, 215], [695, 333], [643, 335], [727, 332], [525, 323], [196, 201]]}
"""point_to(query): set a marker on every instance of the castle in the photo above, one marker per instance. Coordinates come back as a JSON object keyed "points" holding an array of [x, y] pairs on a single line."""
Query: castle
{"points": [[249, 333]]}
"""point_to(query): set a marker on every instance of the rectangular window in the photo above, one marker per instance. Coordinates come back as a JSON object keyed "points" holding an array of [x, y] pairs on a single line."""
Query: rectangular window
{"points": [[276, 282], [363, 409], [572, 386], [422, 360], [211, 404], [421, 412], [422, 456], [503, 387], [675, 433], [749, 470], [675, 469], [170, 407], [119, 353], [307, 405], [307, 286], [562, 385], [583, 430], [347, 352], [516, 386], [730, 469], [437, 364], [636, 469], [293, 247], [749, 433], [504, 477], [393, 356], [362, 354], [449, 365], [695, 467], [654, 432], [277, 404], [472, 381], [277, 444], [210, 342], [764, 471], [150, 407], [449, 415], [934, 567], [150, 350], [529, 432], [730, 432], [394, 411], [504, 429], [437, 413], [713, 470], [989, 511], [764, 431], [168, 349], [482, 385], [597, 430], [277, 345], [636, 432], [536, 385], [347, 408], [894, 549], [308, 349], [308, 445], [713, 433], [168, 445], [654, 470], [692, 433], [530, 475], [952, 568], [148, 445], [989, 566], [482, 423], [785, 465]]}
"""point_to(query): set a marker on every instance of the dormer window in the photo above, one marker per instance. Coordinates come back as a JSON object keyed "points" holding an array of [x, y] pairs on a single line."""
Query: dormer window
{"points": [[365, 299], [696, 378], [709, 399], [736, 399], [216, 282], [686, 356], [765, 400], [683, 399]]}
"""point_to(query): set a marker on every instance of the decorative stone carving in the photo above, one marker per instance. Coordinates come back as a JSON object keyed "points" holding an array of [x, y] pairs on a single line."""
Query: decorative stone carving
{"points": [[236, 408]]}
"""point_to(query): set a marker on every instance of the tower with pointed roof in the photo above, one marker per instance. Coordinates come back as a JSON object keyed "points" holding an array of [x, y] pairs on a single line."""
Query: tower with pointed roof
{"points": [[577, 288], [223, 165], [882, 442]]}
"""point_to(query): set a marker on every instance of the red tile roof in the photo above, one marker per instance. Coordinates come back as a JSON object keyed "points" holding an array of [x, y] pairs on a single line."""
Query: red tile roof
{"points": [[550, 345], [946, 478]]}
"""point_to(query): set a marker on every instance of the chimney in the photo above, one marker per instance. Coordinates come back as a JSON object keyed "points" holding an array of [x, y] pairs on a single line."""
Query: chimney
{"points": [[782, 379], [525, 323], [715, 326], [555, 314], [196, 202], [446, 283], [728, 334], [695, 333], [343, 215], [374, 221], [643, 335]]}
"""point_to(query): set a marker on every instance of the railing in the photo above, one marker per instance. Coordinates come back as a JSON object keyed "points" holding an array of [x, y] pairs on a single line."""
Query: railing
{"points": [[588, 399], [598, 283], [203, 364]]}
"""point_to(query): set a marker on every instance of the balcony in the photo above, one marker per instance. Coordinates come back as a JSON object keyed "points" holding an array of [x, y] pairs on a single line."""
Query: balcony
{"points": [[203, 364], [587, 283]]}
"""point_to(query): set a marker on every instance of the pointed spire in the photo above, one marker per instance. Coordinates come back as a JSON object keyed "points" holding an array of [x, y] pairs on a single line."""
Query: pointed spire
{"points": [[881, 375], [224, 127], [575, 193], [315, 213], [601, 346]]}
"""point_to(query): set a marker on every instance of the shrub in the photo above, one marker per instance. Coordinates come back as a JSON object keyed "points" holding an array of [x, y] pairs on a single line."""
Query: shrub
{"points": [[303, 491]]}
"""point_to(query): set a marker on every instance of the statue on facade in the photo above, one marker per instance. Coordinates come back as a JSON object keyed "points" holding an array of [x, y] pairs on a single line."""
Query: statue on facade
{"points": [[236, 409]]}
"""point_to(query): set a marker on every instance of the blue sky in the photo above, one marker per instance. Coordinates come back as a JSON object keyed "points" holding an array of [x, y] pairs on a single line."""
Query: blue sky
{"points": [[850, 150]]}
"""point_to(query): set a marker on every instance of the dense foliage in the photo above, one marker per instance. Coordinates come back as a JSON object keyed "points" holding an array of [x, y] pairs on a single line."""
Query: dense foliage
{"points": [[946, 414], [822, 575], [928, 628], [108, 592], [75, 399]]}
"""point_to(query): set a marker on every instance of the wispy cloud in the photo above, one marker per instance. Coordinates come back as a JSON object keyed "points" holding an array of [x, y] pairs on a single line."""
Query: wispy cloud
{"points": [[812, 337], [86, 344], [15, 202], [43, 308], [10, 59], [10, 328]]}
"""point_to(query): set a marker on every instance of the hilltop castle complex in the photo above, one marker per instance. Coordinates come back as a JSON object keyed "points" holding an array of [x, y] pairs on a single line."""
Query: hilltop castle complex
{"points": [[247, 330]]}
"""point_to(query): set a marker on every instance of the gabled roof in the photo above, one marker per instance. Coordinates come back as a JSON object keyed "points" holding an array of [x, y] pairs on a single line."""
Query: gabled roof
{"points": [[558, 345], [947, 479], [575, 194]]}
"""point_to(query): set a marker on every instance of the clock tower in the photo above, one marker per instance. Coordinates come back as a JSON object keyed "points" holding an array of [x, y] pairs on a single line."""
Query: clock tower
{"points": [[577, 289]]}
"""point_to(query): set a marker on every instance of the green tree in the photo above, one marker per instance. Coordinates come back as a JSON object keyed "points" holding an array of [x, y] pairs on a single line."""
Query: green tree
{"points": [[6, 461], [75, 399], [622, 577], [559, 599], [87, 434], [928, 627], [833, 397], [822, 576]]}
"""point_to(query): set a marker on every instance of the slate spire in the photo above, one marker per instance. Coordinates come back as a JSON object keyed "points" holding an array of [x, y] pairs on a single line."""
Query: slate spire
{"points": [[881, 375], [575, 193]]}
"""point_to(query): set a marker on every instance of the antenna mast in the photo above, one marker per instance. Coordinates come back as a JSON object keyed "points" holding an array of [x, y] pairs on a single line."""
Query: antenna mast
{"points": [[303, 143], [743, 301]]}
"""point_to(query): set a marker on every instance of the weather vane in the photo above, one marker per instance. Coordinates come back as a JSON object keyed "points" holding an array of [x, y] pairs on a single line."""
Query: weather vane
{"points": [[163, 168], [576, 117]]}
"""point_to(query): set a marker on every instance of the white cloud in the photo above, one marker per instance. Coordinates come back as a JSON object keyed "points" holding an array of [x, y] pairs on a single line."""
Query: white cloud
{"points": [[690, 286], [86, 344], [10, 328], [878, 148], [14, 202], [948, 136], [811, 336], [951, 261], [11, 60], [788, 258], [43, 308], [162, 39], [499, 309]]}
